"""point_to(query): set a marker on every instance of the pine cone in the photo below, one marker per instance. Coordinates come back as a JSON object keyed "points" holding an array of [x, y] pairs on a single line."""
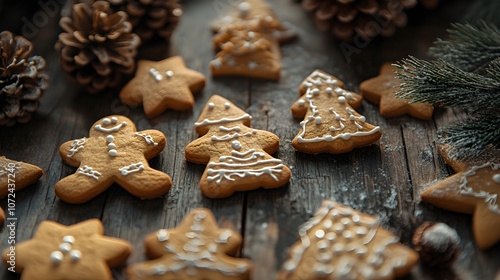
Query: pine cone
{"points": [[151, 18], [98, 46], [437, 244], [366, 18], [22, 80]]}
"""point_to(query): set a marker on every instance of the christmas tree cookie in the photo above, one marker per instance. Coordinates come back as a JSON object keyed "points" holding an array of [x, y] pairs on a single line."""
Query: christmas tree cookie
{"points": [[238, 156], [14, 176], [79, 251], [474, 189], [330, 125], [381, 89], [114, 152], [248, 41], [342, 243], [196, 249]]}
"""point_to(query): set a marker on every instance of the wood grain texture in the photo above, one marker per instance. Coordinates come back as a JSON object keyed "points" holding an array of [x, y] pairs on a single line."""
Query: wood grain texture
{"points": [[385, 179]]}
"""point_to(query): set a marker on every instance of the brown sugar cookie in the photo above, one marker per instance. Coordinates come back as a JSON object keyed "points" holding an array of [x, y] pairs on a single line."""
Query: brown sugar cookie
{"points": [[330, 125], [248, 41], [381, 90], [114, 152], [342, 243], [238, 156], [162, 85], [196, 249], [79, 251], [15, 176], [472, 190]]}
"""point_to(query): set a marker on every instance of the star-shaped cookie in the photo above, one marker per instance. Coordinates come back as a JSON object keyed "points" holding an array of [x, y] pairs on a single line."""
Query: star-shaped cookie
{"points": [[14, 176], [474, 189], [381, 90], [197, 249], [161, 85], [59, 252]]}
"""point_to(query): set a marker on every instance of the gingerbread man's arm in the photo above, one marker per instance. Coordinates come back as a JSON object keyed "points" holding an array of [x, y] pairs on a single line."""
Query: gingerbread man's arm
{"points": [[73, 152], [356, 100], [150, 141]]}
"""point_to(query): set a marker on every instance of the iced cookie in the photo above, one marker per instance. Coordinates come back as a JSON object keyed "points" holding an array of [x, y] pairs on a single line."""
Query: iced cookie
{"points": [[472, 190], [196, 249], [238, 156], [14, 176], [80, 251], [248, 41], [381, 89], [161, 85], [330, 125], [114, 152], [342, 243]]}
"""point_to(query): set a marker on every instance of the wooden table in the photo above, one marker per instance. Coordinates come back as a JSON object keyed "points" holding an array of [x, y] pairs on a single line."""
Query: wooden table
{"points": [[384, 179]]}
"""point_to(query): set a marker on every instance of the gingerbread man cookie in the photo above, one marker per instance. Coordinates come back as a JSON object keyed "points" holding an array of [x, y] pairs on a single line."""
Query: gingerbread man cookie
{"points": [[381, 90], [473, 190], [59, 252], [238, 156], [342, 243], [197, 249], [248, 41], [161, 85], [114, 152], [330, 125], [15, 176]]}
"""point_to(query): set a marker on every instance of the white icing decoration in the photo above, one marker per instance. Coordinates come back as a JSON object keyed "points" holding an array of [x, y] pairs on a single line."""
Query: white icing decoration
{"points": [[113, 152], [216, 63], [490, 199], [211, 105], [163, 235], [230, 136], [223, 120], [244, 8], [56, 257], [149, 139], [252, 65], [114, 119], [226, 105], [68, 239], [75, 255], [65, 247], [496, 178], [111, 146], [76, 146], [110, 138], [225, 129], [158, 77], [169, 74], [132, 168], [320, 79], [301, 102], [115, 128], [87, 171], [106, 121]]}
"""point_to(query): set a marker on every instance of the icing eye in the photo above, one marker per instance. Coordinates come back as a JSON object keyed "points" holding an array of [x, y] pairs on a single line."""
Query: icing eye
{"points": [[114, 119], [496, 178], [106, 121]]}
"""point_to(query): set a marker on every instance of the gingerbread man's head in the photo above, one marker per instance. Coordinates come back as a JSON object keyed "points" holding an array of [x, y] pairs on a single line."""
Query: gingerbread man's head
{"points": [[112, 125]]}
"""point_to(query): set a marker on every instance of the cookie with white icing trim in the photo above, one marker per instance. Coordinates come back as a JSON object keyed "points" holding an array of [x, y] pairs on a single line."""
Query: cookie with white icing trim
{"points": [[381, 89], [79, 251], [474, 189], [196, 249], [342, 243], [162, 85], [248, 41], [15, 176], [331, 124], [238, 157], [114, 152]]}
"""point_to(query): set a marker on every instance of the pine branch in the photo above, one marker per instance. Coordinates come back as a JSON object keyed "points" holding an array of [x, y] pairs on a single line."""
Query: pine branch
{"points": [[470, 48], [439, 82]]}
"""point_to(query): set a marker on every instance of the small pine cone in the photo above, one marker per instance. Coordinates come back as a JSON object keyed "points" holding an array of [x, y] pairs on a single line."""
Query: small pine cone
{"points": [[151, 18], [98, 46], [437, 244], [366, 18], [22, 81]]}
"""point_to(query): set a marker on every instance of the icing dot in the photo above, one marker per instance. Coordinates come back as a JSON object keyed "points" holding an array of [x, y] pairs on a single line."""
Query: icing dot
{"points": [[114, 119], [65, 247], [322, 244], [236, 144], [318, 120], [362, 118], [254, 131], [169, 73], [227, 19], [110, 138], [329, 90], [327, 224], [252, 65], [331, 236], [348, 95], [333, 82], [251, 35], [339, 91], [319, 233], [337, 117], [216, 63], [361, 230], [177, 12], [211, 105], [113, 153], [200, 216], [106, 121], [226, 105], [338, 248], [162, 235], [496, 178], [347, 234], [244, 8], [268, 18], [68, 239], [345, 221], [75, 255], [315, 91], [230, 161], [341, 99], [56, 256], [111, 146], [352, 117], [302, 102], [307, 84]]}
